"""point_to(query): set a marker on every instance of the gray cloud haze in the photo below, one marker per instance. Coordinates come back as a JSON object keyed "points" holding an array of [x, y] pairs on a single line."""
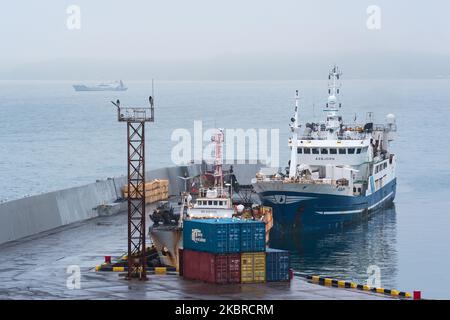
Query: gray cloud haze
{"points": [[223, 40]]}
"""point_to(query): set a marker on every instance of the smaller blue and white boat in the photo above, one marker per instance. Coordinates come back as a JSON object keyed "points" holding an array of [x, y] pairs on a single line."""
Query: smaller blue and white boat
{"points": [[338, 172]]}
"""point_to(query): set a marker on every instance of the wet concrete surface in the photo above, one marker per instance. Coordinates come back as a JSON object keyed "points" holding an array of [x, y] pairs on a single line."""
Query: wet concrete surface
{"points": [[37, 268]]}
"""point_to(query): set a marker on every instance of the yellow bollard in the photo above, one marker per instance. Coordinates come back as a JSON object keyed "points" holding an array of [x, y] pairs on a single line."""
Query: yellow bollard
{"points": [[160, 270], [118, 269], [395, 293]]}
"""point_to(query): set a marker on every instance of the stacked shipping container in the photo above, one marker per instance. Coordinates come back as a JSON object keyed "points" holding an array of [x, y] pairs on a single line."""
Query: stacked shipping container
{"points": [[224, 235], [277, 265], [253, 267], [210, 267], [253, 236], [212, 235], [230, 251]]}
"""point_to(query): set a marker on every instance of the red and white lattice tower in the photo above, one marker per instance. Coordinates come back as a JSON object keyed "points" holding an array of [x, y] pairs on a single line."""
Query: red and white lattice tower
{"points": [[218, 174]]}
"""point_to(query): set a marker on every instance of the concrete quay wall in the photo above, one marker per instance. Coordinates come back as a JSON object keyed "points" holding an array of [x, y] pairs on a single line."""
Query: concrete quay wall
{"points": [[31, 215]]}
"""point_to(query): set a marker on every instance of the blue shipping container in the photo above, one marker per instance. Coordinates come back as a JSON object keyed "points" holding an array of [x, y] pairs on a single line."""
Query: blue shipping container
{"points": [[277, 265], [212, 235], [253, 236]]}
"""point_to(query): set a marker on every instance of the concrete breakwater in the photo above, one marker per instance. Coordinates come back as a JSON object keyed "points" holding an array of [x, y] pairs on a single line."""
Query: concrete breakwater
{"points": [[31, 215]]}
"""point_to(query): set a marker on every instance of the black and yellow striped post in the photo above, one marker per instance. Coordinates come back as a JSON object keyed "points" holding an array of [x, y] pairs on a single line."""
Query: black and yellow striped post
{"points": [[352, 285], [152, 270]]}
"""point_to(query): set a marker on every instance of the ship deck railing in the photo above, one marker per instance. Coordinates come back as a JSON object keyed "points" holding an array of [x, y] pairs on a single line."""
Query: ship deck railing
{"points": [[359, 130], [323, 181], [135, 114], [221, 192], [360, 137]]}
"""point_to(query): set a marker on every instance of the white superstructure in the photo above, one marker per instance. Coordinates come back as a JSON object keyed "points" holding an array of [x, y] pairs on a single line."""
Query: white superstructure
{"points": [[333, 158], [213, 202]]}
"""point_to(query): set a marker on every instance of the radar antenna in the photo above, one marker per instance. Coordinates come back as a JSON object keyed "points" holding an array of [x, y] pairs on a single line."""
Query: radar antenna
{"points": [[333, 103]]}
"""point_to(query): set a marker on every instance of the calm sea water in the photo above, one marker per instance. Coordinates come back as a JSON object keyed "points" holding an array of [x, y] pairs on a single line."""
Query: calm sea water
{"points": [[52, 137]]}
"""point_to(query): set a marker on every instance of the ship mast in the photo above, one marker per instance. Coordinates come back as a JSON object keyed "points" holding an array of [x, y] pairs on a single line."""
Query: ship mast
{"points": [[218, 173], [294, 140], [333, 105]]}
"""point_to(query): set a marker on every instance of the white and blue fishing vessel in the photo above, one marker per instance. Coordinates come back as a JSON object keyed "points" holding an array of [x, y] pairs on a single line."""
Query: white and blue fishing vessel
{"points": [[337, 172]]}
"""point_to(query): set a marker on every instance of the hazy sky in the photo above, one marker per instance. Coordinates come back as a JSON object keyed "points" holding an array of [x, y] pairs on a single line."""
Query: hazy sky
{"points": [[208, 39]]}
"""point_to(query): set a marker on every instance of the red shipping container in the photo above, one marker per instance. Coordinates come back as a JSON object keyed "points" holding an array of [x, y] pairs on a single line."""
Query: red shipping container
{"points": [[212, 268], [234, 268], [180, 262], [191, 264]]}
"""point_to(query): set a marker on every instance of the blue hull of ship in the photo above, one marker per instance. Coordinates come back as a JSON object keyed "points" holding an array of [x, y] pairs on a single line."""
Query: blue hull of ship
{"points": [[325, 211]]}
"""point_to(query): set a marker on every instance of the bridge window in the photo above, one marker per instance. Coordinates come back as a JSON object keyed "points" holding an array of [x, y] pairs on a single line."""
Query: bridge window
{"points": [[333, 151], [315, 151], [299, 150], [215, 203], [210, 203], [220, 203], [324, 151], [358, 151], [342, 151], [307, 151], [351, 151]]}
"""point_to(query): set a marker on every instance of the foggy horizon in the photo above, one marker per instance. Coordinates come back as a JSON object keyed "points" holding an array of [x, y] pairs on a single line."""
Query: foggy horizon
{"points": [[200, 40]]}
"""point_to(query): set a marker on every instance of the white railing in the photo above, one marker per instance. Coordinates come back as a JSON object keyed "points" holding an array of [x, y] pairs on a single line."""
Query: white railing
{"points": [[334, 182], [135, 114], [357, 132], [221, 192]]}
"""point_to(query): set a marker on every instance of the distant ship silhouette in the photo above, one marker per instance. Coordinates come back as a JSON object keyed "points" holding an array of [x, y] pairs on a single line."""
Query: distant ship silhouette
{"points": [[114, 86]]}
